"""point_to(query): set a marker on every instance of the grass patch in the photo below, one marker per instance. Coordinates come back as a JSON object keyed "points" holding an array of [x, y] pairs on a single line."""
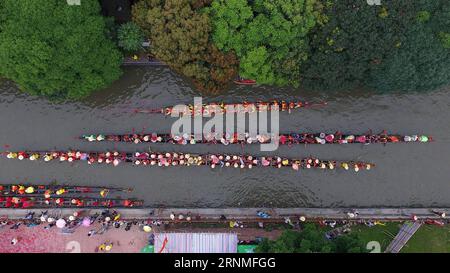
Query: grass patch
{"points": [[382, 234], [429, 239]]}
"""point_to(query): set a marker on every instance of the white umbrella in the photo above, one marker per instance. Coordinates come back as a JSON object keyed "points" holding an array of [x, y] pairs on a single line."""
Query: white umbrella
{"points": [[147, 228], [60, 223]]}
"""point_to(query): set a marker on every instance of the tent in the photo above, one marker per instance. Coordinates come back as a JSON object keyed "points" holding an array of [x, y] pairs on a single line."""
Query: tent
{"points": [[148, 249], [246, 248]]}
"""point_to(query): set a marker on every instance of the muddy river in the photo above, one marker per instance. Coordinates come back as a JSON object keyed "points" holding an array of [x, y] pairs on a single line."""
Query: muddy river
{"points": [[405, 175]]}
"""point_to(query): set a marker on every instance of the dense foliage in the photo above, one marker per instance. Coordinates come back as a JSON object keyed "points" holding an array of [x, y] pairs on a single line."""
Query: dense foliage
{"points": [[422, 62], [311, 240], [269, 37], [66, 51], [130, 37], [50, 48], [399, 45], [179, 34]]}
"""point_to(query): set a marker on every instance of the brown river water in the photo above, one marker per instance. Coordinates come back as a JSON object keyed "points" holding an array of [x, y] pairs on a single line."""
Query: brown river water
{"points": [[406, 174]]}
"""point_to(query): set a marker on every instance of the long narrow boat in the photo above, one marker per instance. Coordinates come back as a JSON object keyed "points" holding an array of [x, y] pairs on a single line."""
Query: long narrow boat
{"points": [[25, 202], [242, 81], [179, 159], [51, 190], [283, 139], [222, 108]]}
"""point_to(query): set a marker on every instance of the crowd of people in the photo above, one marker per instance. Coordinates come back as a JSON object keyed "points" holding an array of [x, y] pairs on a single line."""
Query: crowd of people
{"points": [[180, 159], [246, 138], [98, 223]]}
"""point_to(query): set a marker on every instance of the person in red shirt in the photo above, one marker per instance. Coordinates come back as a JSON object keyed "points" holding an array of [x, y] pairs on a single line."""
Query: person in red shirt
{"points": [[27, 204]]}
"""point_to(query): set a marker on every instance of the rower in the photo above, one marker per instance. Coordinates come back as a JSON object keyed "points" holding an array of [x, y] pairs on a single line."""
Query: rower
{"points": [[423, 139], [29, 190], [21, 190], [104, 192], [12, 155], [60, 191]]}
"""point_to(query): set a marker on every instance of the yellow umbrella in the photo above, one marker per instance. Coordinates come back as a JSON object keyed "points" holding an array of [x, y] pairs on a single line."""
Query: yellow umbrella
{"points": [[29, 190], [117, 217]]}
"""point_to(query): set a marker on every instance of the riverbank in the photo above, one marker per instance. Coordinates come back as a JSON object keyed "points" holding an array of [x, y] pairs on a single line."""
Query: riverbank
{"points": [[250, 214], [38, 239]]}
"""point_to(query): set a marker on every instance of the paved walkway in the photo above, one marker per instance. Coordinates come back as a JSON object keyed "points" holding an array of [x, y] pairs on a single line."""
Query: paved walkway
{"points": [[406, 232], [249, 214]]}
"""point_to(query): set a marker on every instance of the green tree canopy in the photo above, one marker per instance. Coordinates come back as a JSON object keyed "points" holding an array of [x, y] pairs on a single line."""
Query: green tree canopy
{"points": [[269, 37], [399, 46], [311, 240], [357, 38], [179, 36], [57, 50], [130, 37], [422, 62]]}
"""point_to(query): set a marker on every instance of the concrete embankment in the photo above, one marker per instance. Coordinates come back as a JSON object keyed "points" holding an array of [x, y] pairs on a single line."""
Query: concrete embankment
{"points": [[249, 214]]}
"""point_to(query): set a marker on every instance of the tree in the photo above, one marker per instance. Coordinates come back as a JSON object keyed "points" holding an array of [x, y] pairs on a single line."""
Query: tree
{"points": [[179, 35], [130, 37], [399, 46], [269, 37], [357, 38], [422, 62], [57, 50], [311, 240]]}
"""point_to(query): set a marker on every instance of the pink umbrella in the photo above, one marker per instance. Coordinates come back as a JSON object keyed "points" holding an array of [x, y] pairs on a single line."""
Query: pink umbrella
{"points": [[265, 162], [86, 222], [329, 138], [215, 160], [361, 139], [60, 223], [295, 166]]}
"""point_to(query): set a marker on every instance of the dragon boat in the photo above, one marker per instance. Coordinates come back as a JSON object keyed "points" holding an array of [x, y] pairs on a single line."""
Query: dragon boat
{"points": [[180, 159], [26, 202], [222, 108], [246, 138], [56, 190]]}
